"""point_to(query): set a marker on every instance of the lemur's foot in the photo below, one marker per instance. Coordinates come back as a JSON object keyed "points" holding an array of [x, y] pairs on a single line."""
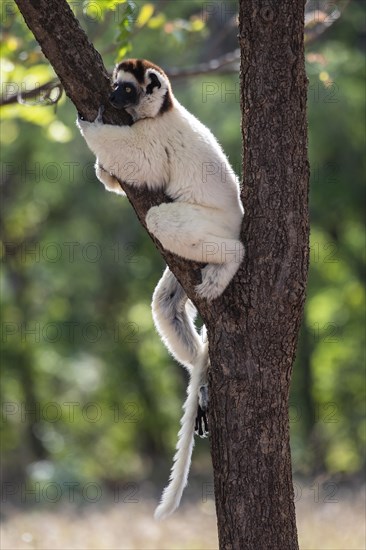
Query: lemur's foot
{"points": [[201, 423], [99, 118], [211, 286], [86, 125]]}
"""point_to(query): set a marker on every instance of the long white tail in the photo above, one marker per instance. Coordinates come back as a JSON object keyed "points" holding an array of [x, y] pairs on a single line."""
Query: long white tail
{"points": [[181, 463], [174, 319]]}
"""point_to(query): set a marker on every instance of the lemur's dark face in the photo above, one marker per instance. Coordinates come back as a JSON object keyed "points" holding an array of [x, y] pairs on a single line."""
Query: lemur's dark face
{"points": [[125, 94], [141, 88]]}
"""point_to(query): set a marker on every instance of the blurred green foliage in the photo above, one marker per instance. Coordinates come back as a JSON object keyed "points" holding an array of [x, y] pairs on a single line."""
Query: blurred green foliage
{"points": [[88, 391]]}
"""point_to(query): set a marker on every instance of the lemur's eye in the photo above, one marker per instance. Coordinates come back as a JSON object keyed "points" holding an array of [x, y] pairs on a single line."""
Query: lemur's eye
{"points": [[128, 89]]}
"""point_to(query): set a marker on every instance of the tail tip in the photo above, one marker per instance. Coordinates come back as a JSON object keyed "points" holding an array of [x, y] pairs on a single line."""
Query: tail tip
{"points": [[162, 512]]}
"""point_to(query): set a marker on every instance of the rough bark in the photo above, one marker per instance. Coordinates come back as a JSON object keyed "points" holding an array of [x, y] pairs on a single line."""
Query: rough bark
{"points": [[254, 344], [78, 65], [253, 327]]}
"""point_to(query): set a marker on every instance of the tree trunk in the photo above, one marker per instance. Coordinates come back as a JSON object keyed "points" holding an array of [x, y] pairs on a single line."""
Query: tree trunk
{"points": [[252, 347]]}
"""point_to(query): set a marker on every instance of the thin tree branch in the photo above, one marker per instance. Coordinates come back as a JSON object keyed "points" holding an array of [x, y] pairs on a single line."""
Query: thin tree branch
{"points": [[218, 65], [214, 65], [41, 95]]}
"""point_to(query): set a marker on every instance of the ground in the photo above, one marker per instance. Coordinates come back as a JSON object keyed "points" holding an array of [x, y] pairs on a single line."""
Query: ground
{"points": [[328, 519]]}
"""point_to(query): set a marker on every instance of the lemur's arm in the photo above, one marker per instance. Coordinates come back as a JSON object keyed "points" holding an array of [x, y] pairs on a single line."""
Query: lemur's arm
{"points": [[112, 145], [133, 154], [108, 180]]}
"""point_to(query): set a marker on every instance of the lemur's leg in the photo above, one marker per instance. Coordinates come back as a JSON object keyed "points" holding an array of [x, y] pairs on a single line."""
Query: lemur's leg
{"points": [[201, 423], [193, 232], [215, 278], [174, 318]]}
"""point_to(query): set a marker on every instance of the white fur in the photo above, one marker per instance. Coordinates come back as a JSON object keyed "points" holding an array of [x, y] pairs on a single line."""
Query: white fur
{"points": [[175, 152]]}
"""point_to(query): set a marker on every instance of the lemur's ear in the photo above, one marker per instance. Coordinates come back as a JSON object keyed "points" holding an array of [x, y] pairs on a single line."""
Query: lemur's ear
{"points": [[154, 82]]}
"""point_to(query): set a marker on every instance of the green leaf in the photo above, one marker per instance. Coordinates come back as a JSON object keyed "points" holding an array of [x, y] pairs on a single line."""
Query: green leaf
{"points": [[145, 14]]}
